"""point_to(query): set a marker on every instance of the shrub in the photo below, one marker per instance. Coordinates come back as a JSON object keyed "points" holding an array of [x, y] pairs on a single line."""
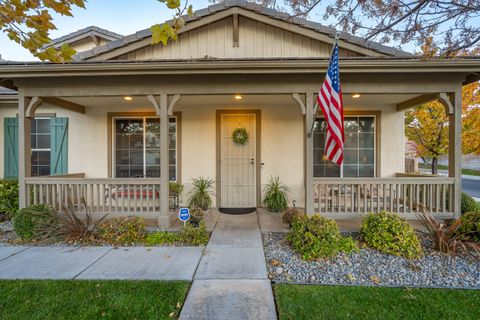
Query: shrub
{"points": [[470, 226], [275, 195], [189, 235], [175, 188], [291, 214], [8, 198], [446, 238], [201, 193], [71, 227], [194, 236], [317, 237], [33, 222], [196, 216], [123, 231], [389, 233], [468, 204], [162, 237]]}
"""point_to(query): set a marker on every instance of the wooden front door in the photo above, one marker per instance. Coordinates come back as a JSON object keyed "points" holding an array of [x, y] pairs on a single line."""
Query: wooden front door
{"points": [[238, 161]]}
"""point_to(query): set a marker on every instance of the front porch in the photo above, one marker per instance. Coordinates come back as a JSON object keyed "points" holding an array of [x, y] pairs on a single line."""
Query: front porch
{"points": [[284, 139]]}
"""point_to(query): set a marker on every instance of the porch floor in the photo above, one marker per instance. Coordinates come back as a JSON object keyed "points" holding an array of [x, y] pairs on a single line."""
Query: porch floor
{"points": [[272, 222]]}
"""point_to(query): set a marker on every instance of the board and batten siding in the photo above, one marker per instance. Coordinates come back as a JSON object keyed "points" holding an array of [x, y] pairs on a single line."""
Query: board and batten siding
{"points": [[256, 40], [87, 44]]}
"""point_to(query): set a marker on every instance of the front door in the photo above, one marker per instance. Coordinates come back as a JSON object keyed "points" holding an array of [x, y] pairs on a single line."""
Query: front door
{"points": [[238, 160]]}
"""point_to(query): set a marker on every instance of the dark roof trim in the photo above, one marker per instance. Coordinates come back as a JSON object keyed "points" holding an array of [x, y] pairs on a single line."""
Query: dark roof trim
{"points": [[272, 13], [84, 33]]}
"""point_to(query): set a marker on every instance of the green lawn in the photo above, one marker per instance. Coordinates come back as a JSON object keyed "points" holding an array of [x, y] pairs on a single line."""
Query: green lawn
{"points": [[330, 302], [32, 299]]}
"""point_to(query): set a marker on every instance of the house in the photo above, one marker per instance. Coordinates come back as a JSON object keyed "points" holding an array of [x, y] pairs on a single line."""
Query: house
{"points": [[125, 118]]}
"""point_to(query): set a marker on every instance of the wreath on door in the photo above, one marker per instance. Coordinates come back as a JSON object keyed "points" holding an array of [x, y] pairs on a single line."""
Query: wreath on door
{"points": [[240, 136]]}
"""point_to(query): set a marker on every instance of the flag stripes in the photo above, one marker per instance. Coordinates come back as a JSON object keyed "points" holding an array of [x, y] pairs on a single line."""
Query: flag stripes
{"points": [[330, 101]]}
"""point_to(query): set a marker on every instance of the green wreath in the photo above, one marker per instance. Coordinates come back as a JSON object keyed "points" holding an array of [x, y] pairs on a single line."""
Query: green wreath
{"points": [[240, 136]]}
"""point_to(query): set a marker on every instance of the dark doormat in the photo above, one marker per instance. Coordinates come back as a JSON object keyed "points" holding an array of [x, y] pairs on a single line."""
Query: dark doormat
{"points": [[237, 210]]}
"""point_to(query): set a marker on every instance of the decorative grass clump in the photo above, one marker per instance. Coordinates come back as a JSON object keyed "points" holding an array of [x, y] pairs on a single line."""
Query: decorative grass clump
{"points": [[389, 233], [318, 237], [275, 198], [201, 194]]}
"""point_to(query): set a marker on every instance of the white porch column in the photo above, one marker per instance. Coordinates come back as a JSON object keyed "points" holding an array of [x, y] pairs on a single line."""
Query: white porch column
{"points": [[24, 153], [161, 109], [455, 149], [309, 119], [163, 218]]}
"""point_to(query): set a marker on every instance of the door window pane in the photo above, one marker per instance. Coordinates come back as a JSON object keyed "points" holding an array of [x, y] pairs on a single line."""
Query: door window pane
{"points": [[359, 149]]}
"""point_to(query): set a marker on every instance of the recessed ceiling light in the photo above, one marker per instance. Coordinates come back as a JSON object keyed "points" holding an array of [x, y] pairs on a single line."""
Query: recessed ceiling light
{"points": [[356, 96], [238, 97], [127, 98]]}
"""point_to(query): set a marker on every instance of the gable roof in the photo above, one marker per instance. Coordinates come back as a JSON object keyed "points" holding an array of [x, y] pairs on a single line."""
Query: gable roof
{"points": [[83, 34], [329, 33]]}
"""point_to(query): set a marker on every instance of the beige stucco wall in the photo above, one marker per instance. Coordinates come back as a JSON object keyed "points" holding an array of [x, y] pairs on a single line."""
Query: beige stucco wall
{"points": [[282, 133]]}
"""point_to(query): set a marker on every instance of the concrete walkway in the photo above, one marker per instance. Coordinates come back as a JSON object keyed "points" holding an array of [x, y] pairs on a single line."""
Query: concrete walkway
{"points": [[152, 263], [231, 280]]}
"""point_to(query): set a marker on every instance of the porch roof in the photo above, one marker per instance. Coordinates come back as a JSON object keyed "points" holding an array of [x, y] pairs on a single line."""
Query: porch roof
{"points": [[467, 66]]}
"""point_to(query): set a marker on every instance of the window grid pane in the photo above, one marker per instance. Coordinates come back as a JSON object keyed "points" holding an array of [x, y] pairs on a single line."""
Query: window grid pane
{"points": [[359, 149], [137, 147], [40, 146]]}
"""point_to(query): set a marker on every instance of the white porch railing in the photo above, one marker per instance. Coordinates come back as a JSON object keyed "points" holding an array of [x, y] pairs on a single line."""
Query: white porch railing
{"points": [[343, 198], [117, 196]]}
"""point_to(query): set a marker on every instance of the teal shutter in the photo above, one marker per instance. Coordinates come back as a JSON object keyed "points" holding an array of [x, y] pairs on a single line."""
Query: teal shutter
{"points": [[59, 144], [10, 136]]}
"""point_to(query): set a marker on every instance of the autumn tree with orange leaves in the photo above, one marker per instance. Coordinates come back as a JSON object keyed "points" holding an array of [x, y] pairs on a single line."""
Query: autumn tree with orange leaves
{"points": [[427, 126]]}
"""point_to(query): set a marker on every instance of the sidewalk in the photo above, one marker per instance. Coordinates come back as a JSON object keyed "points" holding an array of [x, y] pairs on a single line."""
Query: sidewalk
{"points": [[231, 280], [132, 263]]}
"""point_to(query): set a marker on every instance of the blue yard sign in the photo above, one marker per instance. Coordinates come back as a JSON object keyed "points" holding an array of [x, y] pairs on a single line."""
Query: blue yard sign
{"points": [[184, 214]]}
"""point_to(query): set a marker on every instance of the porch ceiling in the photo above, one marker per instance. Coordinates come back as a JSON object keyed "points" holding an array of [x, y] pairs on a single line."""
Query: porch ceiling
{"points": [[248, 100]]}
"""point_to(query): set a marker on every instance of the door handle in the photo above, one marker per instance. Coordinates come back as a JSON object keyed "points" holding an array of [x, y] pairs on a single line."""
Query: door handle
{"points": [[252, 161]]}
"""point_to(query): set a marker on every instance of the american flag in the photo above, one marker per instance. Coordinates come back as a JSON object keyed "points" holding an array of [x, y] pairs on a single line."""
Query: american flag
{"points": [[330, 101]]}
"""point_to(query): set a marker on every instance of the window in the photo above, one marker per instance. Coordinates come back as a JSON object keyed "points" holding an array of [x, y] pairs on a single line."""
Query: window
{"points": [[137, 147], [41, 146], [359, 149]]}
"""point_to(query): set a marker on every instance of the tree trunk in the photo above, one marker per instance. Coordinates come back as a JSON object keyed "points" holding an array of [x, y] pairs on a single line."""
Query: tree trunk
{"points": [[434, 165]]}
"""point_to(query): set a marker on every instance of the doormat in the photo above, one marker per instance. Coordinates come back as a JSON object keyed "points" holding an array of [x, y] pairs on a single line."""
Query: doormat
{"points": [[237, 210]]}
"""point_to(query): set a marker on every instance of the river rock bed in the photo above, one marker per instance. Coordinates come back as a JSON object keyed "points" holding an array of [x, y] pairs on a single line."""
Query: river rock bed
{"points": [[370, 267]]}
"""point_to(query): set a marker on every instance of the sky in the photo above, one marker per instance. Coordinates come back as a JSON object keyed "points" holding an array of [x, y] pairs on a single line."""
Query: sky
{"points": [[120, 16]]}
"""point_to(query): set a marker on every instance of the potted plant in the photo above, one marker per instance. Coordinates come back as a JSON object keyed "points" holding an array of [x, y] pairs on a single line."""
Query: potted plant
{"points": [[196, 216], [201, 193], [175, 189], [275, 195]]}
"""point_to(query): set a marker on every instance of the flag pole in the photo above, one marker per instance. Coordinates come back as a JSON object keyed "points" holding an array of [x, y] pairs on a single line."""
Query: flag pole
{"points": [[337, 36]]}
